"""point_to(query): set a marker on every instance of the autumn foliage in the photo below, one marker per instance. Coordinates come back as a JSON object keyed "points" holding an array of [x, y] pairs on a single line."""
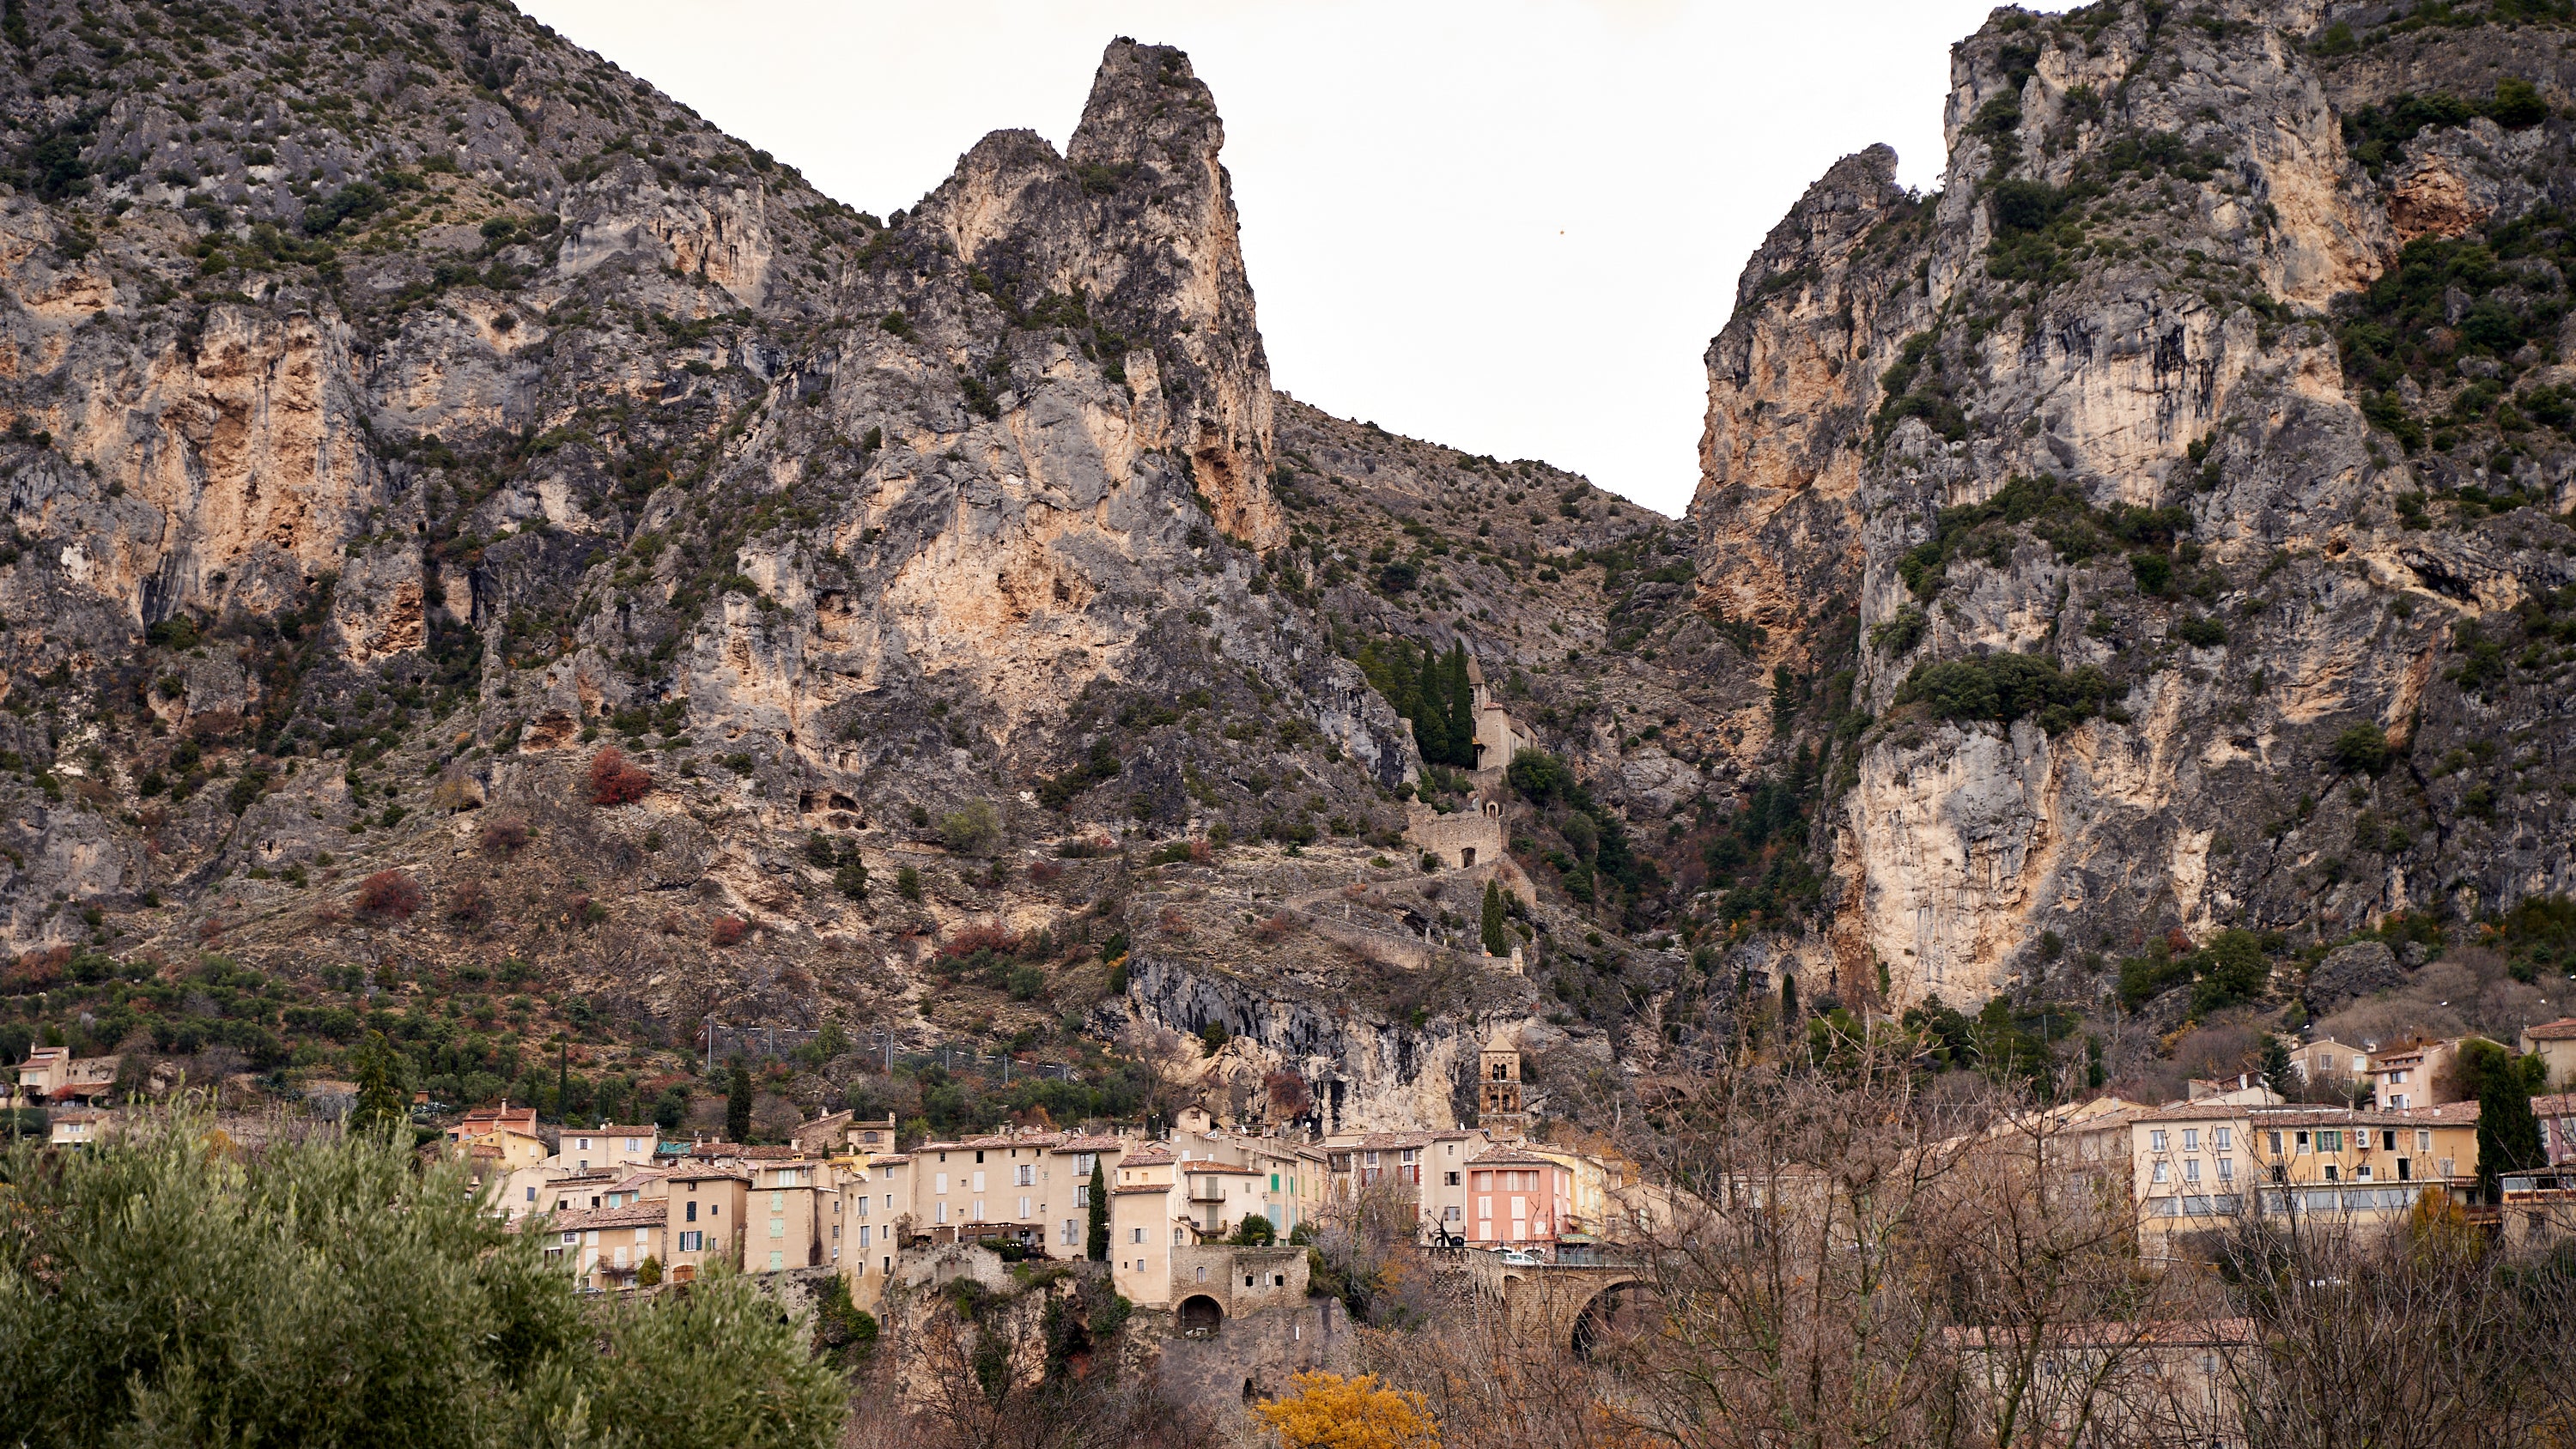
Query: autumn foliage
{"points": [[389, 895], [728, 930], [1328, 1411], [615, 781]]}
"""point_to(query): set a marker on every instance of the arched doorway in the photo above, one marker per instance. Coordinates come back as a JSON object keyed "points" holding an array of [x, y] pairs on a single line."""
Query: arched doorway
{"points": [[1615, 1313], [1200, 1316]]}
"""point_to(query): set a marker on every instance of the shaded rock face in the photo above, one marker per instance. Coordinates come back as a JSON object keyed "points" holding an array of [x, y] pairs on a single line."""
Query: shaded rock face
{"points": [[2093, 402], [2351, 972]]}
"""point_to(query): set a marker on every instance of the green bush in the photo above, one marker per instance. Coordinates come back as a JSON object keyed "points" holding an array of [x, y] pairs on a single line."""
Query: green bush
{"points": [[159, 1288], [972, 830], [2362, 749], [2006, 687]]}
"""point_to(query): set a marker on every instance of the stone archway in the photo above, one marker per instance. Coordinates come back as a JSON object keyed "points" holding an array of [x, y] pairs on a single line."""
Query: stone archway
{"points": [[1617, 1311], [1200, 1316]]}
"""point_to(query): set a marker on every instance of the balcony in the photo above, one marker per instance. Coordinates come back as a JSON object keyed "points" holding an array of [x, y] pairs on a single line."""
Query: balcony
{"points": [[1207, 1189]]}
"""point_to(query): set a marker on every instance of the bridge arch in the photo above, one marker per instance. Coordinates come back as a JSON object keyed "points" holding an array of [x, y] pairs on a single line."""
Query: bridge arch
{"points": [[1615, 1311]]}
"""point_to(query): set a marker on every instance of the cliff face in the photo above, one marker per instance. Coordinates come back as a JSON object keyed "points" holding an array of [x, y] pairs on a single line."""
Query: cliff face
{"points": [[2177, 531], [403, 406]]}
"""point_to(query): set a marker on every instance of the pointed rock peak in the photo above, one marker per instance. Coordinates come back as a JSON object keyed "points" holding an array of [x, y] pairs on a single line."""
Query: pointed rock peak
{"points": [[1144, 99]]}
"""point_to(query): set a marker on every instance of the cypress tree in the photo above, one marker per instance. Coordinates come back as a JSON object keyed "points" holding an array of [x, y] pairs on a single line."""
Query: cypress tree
{"points": [[1461, 709], [382, 1100], [1788, 1001], [1095, 1243], [738, 1104], [1496, 943]]}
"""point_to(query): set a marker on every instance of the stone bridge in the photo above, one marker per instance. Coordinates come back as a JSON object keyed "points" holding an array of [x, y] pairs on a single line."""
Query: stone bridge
{"points": [[1571, 1304]]}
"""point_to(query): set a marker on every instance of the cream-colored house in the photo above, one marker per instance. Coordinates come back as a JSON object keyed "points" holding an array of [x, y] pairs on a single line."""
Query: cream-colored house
{"points": [[1147, 1220], [606, 1147], [2554, 1043], [705, 1212], [80, 1126], [55, 1075], [604, 1247], [2196, 1163], [2330, 1061]]}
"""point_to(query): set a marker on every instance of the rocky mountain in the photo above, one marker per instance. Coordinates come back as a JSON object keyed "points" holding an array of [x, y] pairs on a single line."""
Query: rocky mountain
{"points": [[2195, 463], [496, 558]]}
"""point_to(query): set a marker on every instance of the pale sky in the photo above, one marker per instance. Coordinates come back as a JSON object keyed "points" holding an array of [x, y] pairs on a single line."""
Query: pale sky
{"points": [[1509, 226]]}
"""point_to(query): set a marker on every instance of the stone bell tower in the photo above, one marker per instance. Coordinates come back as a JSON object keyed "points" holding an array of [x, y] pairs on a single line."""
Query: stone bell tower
{"points": [[1498, 1088]]}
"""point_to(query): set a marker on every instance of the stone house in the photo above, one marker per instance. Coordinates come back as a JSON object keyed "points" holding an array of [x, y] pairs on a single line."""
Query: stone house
{"points": [[2554, 1043], [603, 1247], [705, 1210], [53, 1074], [1521, 1199]]}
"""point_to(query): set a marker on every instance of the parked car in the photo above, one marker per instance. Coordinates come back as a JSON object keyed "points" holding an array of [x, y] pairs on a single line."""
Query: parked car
{"points": [[1515, 1258]]}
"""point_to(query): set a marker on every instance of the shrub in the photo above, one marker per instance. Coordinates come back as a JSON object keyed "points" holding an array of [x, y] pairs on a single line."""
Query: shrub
{"points": [[907, 883], [727, 930], [389, 895], [2362, 750], [851, 879], [469, 904], [502, 835], [615, 782], [2005, 687], [2154, 572], [2201, 632], [971, 830]]}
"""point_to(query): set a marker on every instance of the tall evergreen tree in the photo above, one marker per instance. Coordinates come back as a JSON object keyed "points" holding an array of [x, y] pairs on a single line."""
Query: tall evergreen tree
{"points": [[738, 1104], [2278, 1074], [1461, 709], [1496, 942], [383, 1100], [1095, 1242]]}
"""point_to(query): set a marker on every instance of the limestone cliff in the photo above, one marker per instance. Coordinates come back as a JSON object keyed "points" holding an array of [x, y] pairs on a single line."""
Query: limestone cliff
{"points": [[2205, 578]]}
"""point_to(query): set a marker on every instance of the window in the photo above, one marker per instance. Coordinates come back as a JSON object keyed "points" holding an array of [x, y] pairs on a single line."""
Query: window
{"points": [[939, 1212], [693, 1213], [2191, 1139], [2303, 1142], [1140, 1236], [863, 1235], [778, 1202], [532, 1194], [2423, 1139], [581, 1144], [2218, 1138], [1082, 1194], [1024, 1207], [2275, 1142], [631, 1147], [1082, 1162], [689, 1242], [1071, 1231], [939, 1182], [778, 1227], [1202, 1274], [2191, 1169], [2332, 1175], [2227, 1169], [2330, 1140], [571, 1238], [777, 1261], [1449, 1179], [979, 1178], [979, 1211], [2159, 1172], [1024, 1175]]}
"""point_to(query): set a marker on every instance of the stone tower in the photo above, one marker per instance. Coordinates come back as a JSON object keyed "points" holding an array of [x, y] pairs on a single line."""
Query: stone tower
{"points": [[1498, 1087]]}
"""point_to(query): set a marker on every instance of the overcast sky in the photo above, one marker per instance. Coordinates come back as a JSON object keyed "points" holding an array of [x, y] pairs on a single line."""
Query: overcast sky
{"points": [[1508, 226]]}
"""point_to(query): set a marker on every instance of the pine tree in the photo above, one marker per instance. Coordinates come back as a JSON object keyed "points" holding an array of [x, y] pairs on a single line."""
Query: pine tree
{"points": [[382, 1100], [1496, 943], [1095, 1243], [2278, 1074], [2508, 1133], [738, 1104]]}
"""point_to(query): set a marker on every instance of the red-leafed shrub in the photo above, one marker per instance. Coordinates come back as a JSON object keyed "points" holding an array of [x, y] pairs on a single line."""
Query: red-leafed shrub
{"points": [[35, 971], [469, 904], [503, 835], [613, 781], [727, 930], [990, 936], [1044, 872], [389, 895]]}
